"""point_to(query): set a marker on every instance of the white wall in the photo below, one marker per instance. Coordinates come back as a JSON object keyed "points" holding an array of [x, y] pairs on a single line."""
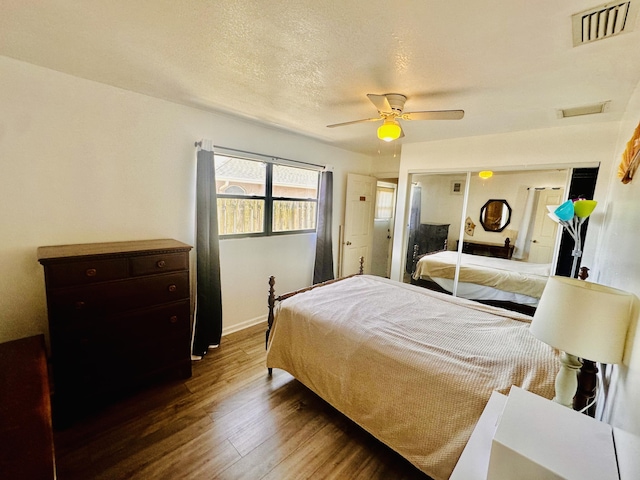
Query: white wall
{"points": [[386, 163], [534, 150], [85, 162], [438, 205], [617, 263]]}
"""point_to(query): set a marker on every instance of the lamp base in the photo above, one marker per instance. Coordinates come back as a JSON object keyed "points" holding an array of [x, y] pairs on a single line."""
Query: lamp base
{"points": [[567, 379], [587, 386]]}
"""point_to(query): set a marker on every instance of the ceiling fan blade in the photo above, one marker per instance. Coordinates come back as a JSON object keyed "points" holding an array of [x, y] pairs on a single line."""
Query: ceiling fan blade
{"points": [[434, 115], [381, 102], [355, 121]]}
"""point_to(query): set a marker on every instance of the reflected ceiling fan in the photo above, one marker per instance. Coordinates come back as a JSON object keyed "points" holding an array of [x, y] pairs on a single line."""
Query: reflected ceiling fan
{"points": [[390, 109]]}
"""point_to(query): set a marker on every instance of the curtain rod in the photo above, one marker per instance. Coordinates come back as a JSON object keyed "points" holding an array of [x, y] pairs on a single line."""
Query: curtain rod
{"points": [[199, 144]]}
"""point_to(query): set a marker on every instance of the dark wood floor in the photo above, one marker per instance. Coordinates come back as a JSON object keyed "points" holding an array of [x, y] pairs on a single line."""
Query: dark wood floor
{"points": [[229, 421]]}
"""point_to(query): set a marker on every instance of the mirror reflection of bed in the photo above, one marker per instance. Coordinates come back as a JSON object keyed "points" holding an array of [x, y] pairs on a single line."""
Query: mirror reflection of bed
{"points": [[500, 249]]}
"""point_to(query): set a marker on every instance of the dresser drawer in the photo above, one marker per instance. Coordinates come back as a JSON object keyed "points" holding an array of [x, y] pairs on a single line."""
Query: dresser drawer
{"points": [[112, 297], [152, 264], [132, 328], [169, 321], [136, 328], [151, 358], [87, 374], [85, 272]]}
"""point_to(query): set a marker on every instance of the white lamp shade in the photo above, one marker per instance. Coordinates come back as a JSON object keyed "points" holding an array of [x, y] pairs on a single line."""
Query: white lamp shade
{"points": [[585, 319]]}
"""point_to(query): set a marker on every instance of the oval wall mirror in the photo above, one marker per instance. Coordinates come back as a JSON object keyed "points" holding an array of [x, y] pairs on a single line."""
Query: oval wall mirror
{"points": [[495, 215]]}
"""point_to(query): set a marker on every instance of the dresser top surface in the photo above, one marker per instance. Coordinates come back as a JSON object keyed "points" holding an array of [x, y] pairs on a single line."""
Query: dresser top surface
{"points": [[486, 244], [54, 252]]}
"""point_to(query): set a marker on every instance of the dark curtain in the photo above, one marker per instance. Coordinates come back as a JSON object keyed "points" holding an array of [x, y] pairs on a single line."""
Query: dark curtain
{"points": [[208, 321], [414, 224], [323, 269], [583, 184]]}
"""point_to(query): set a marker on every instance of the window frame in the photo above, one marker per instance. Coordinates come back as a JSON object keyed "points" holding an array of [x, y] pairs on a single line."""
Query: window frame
{"points": [[268, 197]]}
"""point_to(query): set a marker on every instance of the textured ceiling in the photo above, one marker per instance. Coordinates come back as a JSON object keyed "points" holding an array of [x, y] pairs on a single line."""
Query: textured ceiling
{"points": [[302, 65]]}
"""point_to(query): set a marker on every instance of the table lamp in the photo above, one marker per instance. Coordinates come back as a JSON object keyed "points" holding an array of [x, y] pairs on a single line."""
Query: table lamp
{"points": [[583, 320]]}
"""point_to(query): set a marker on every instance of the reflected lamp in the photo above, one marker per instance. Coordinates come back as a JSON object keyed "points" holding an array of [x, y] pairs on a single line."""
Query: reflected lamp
{"points": [[571, 215], [584, 320]]}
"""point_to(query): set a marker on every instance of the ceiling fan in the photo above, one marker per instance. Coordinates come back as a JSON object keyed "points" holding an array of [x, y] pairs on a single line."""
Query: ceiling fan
{"points": [[390, 109]]}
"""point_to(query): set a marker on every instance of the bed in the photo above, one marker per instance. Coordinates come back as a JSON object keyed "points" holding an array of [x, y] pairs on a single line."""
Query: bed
{"points": [[413, 367], [485, 278]]}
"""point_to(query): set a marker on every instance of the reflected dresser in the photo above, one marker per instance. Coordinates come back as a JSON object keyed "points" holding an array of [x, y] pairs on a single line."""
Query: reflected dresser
{"points": [[432, 237], [119, 316]]}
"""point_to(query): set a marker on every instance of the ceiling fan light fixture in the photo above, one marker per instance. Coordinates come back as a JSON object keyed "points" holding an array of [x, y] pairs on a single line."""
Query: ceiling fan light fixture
{"points": [[390, 130]]}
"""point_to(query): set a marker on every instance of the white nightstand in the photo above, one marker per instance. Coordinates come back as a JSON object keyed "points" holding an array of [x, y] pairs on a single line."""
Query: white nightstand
{"points": [[538, 438], [474, 461]]}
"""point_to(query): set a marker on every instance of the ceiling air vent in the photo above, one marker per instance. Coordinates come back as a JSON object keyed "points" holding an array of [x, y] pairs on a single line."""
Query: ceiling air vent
{"points": [[584, 110], [603, 22]]}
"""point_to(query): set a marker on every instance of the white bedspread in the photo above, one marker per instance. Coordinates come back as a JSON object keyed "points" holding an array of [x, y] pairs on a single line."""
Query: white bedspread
{"points": [[413, 367], [522, 278]]}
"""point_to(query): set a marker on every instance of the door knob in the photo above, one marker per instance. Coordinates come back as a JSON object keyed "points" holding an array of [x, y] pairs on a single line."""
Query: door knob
{"points": [[534, 241], [348, 242]]}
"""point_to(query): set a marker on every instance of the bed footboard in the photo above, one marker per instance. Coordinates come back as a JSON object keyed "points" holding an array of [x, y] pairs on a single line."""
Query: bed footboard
{"points": [[273, 299]]}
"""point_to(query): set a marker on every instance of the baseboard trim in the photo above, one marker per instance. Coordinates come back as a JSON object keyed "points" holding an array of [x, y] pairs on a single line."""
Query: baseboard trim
{"points": [[246, 324]]}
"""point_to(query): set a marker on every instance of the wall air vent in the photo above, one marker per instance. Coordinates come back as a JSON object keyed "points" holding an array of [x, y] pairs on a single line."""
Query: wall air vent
{"points": [[603, 22], [584, 110]]}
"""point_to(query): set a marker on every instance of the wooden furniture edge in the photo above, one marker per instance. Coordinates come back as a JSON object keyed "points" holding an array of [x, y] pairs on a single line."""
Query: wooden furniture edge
{"points": [[273, 299], [26, 433], [57, 253]]}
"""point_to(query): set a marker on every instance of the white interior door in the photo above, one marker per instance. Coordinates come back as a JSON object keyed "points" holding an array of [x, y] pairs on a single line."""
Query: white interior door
{"points": [[358, 223], [543, 237]]}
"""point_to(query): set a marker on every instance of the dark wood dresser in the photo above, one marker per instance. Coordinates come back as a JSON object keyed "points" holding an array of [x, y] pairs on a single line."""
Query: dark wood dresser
{"points": [[489, 249], [119, 314], [26, 439], [432, 237]]}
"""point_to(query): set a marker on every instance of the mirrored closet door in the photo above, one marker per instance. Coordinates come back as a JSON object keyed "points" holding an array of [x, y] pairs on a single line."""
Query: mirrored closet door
{"points": [[490, 240]]}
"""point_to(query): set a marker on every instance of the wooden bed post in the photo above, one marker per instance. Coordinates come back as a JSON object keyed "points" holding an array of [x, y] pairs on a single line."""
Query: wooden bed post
{"points": [[414, 260], [587, 376], [272, 302]]}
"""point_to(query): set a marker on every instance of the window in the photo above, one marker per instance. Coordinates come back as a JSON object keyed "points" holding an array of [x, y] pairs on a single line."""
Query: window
{"points": [[262, 198], [384, 203]]}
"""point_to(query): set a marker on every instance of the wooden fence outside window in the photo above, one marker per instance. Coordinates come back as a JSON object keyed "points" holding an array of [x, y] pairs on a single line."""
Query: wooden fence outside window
{"points": [[246, 215]]}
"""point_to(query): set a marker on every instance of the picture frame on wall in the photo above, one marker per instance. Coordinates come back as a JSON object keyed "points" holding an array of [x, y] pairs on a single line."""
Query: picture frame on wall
{"points": [[457, 187]]}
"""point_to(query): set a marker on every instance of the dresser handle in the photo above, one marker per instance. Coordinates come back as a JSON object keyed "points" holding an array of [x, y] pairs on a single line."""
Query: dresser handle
{"points": [[91, 272], [173, 319], [80, 305], [172, 288], [161, 263]]}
